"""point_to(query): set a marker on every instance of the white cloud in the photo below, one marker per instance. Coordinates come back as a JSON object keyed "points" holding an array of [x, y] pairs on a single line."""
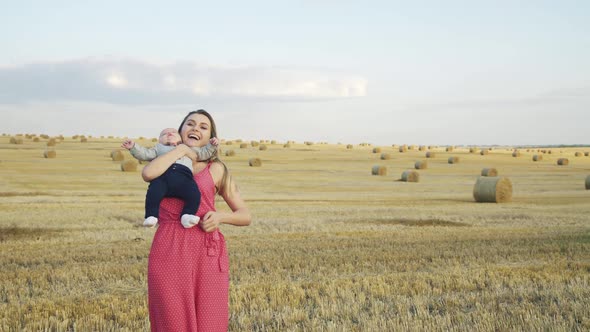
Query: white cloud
{"points": [[131, 81]]}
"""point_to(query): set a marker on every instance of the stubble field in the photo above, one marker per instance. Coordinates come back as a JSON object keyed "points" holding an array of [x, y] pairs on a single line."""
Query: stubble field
{"points": [[331, 247]]}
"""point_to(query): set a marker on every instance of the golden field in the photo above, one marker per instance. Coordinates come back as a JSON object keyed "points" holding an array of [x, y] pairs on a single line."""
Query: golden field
{"points": [[331, 247]]}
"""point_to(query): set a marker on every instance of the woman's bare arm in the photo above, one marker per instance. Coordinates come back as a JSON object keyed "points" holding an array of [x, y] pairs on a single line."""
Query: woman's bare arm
{"points": [[240, 215], [159, 165]]}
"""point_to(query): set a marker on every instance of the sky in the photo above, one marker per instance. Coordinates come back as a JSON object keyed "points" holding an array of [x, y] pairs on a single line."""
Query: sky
{"points": [[382, 72]]}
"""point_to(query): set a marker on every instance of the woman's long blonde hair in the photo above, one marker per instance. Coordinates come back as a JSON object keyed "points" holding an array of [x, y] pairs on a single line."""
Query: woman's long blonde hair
{"points": [[226, 180]]}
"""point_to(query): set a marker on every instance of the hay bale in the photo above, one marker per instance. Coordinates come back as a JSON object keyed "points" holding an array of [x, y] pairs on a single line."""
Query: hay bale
{"points": [[588, 182], [385, 156], [379, 170], [376, 150], [453, 160], [230, 153], [472, 150], [516, 153], [243, 145], [483, 152], [51, 142], [349, 146], [578, 154], [450, 148], [422, 148], [83, 140], [421, 164], [117, 155], [255, 162], [430, 154], [49, 154], [489, 172], [36, 139], [403, 148], [537, 157], [273, 142], [563, 161], [586, 154], [14, 140], [129, 165], [262, 147], [410, 176], [229, 143], [494, 189], [287, 145]]}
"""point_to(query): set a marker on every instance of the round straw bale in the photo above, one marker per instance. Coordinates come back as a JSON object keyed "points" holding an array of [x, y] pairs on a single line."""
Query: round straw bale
{"points": [[422, 148], [229, 143], [489, 172], [83, 140], [254, 143], [349, 146], [36, 139], [403, 148], [273, 142], [117, 155], [243, 145], [376, 150], [230, 153], [483, 152], [412, 147], [262, 147], [385, 156], [492, 189], [586, 154], [129, 165], [472, 150], [449, 149], [51, 142], [410, 176], [308, 143], [516, 153], [563, 161], [549, 151], [255, 162], [379, 170], [287, 145], [453, 160], [578, 154], [49, 154], [14, 140], [421, 164], [537, 157], [430, 154], [588, 182]]}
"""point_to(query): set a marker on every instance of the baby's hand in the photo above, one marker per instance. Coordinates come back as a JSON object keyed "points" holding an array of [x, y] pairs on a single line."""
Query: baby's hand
{"points": [[214, 141], [128, 144]]}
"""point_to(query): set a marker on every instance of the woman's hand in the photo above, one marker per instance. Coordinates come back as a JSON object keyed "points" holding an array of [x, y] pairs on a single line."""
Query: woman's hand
{"points": [[188, 152], [211, 221]]}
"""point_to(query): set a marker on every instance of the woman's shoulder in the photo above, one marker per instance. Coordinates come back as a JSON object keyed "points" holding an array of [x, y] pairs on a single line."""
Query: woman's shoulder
{"points": [[217, 170]]}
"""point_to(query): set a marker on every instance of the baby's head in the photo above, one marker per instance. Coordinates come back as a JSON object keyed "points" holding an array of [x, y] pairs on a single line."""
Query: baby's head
{"points": [[170, 136]]}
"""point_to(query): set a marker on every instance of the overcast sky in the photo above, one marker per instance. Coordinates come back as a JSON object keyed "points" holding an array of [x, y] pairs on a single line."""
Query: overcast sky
{"points": [[384, 72]]}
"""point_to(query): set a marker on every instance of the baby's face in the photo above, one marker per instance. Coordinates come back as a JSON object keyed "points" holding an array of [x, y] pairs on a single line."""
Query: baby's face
{"points": [[169, 136]]}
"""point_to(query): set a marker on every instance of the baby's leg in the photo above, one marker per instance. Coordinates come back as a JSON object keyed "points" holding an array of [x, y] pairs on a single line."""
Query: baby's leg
{"points": [[156, 191], [183, 186]]}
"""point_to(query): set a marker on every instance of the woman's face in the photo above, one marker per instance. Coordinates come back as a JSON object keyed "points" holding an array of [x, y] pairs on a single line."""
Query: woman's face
{"points": [[196, 130]]}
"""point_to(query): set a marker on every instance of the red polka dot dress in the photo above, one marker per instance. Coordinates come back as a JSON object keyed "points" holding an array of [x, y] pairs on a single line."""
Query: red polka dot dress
{"points": [[188, 278]]}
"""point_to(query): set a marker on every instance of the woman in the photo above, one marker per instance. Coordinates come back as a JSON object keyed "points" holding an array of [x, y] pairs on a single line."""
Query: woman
{"points": [[188, 269]]}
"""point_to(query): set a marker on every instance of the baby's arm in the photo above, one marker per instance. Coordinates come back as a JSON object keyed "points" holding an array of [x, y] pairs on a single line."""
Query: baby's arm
{"points": [[141, 153], [207, 151]]}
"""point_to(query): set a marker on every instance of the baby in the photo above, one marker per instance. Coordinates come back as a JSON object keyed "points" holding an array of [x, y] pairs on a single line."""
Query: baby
{"points": [[177, 180]]}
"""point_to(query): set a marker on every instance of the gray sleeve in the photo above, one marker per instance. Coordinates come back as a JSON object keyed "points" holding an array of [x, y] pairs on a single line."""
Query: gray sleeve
{"points": [[141, 153], [205, 152]]}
